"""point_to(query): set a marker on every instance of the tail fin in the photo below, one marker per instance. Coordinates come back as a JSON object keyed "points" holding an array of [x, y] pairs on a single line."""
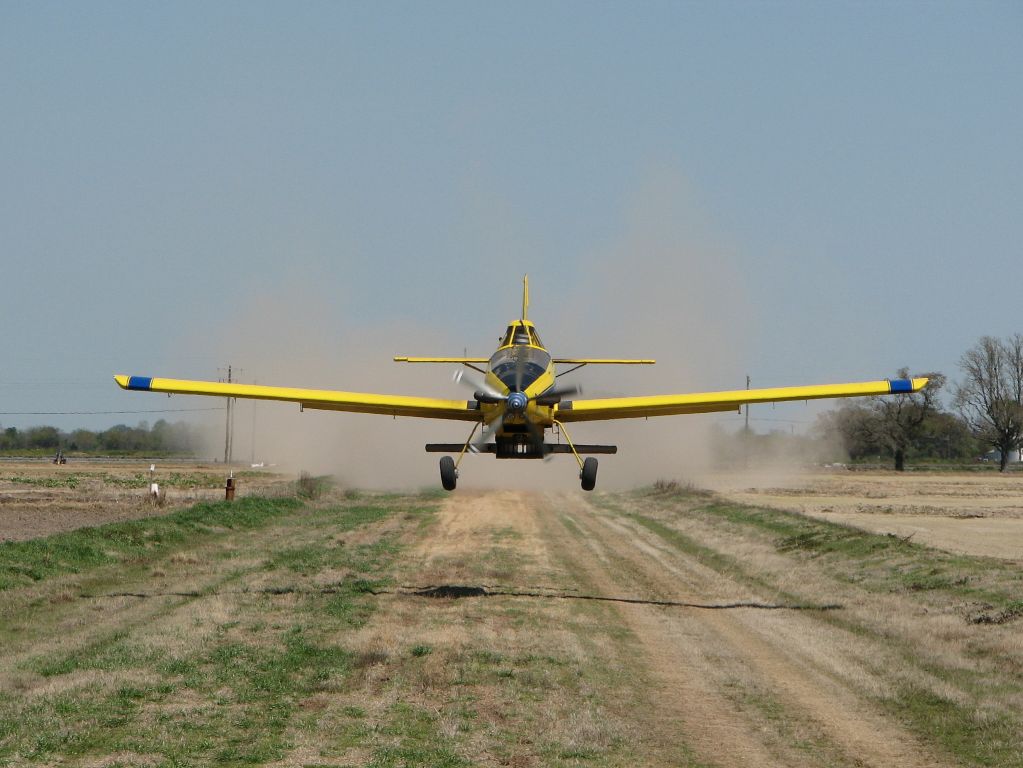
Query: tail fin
{"points": [[525, 297]]}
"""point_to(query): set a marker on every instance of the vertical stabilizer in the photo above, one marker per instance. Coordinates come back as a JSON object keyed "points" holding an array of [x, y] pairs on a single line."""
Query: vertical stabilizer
{"points": [[525, 297]]}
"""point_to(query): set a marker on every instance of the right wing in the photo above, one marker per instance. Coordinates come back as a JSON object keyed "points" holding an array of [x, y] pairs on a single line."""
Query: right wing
{"points": [[323, 399], [711, 402]]}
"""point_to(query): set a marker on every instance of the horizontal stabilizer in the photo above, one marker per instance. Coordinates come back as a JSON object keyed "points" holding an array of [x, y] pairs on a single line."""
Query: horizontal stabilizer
{"points": [[442, 359], [601, 361]]}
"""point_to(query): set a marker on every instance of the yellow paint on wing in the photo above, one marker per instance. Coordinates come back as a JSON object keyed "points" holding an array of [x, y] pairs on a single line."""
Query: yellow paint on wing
{"points": [[355, 402], [709, 402]]}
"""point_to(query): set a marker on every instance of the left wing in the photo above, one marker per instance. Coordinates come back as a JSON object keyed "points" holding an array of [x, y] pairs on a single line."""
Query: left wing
{"points": [[710, 402], [325, 399]]}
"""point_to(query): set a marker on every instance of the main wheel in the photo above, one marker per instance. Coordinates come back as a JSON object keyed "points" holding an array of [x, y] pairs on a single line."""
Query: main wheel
{"points": [[448, 473], [589, 474]]}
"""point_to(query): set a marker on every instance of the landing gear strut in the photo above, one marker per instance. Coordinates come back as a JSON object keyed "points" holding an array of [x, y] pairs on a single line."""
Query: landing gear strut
{"points": [[448, 473], [588, 468], [588, 474]]}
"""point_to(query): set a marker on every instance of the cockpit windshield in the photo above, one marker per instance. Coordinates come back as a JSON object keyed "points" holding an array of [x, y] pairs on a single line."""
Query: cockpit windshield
{"points": [[514, 362]]}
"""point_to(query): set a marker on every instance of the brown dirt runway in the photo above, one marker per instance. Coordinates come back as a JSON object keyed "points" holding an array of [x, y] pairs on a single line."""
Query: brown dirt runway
{"points": [[699, 653], [723, 683]]}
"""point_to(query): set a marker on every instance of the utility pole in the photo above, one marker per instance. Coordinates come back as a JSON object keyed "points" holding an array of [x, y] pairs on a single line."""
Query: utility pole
{"points": [[229, 425], [747, 404], [253, 461], [745, 434]]}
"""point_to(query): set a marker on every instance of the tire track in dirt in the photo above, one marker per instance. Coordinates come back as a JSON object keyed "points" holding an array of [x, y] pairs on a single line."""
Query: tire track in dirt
{"points": [[685, 709], [685, 702], [684, 649]]}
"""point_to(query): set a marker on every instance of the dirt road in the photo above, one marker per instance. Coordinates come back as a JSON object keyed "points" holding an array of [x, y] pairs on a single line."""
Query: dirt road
{"points": [[734, 686]]}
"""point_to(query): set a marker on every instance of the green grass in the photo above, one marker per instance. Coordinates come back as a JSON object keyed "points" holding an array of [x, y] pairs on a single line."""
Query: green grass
{"points": [[140, 480], [973, 739], [236, 696], [60, 481], [135, 542], [417, 741], [250, 693], [181, 480], [878, 562]]}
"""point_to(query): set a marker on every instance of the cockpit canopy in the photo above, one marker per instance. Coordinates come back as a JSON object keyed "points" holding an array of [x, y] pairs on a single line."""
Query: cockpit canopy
{"points": [[521, 359], [521, 333]]}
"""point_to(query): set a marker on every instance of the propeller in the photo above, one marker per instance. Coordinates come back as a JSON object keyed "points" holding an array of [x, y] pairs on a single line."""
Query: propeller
{"points": [[515, 399], [486, 433], [515, 402], [555, 394], [484, 392]]}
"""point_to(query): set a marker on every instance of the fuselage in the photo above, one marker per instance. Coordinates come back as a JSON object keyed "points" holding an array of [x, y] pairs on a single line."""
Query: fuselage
{"points": [[520, 364]]}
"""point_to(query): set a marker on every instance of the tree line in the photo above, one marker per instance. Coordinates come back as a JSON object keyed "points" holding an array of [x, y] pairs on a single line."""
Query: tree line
{"points": [[161, 437], [986, 412]]}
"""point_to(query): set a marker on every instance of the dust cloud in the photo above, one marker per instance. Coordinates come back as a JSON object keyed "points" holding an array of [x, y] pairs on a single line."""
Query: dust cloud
{"points": [[668, 287], [296, 336]]}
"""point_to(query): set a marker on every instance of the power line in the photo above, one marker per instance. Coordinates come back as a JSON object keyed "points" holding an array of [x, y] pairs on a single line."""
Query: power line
{"points": [[767, 418], [101, 413]]}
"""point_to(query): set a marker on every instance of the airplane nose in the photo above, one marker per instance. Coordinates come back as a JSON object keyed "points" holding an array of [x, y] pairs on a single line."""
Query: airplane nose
{"points": [[517, 401]]}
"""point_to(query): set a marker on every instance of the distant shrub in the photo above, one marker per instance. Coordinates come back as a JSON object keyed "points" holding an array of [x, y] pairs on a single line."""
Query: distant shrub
{"points": [[309, 487], [664, 487]]}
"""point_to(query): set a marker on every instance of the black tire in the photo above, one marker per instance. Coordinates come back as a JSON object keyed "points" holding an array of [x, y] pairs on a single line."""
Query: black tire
{"points": [[589, 474], [448, 474]]}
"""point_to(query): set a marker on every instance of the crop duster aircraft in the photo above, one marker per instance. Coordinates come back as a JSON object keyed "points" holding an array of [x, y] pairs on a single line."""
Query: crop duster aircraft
{"points": [[518, 397]]}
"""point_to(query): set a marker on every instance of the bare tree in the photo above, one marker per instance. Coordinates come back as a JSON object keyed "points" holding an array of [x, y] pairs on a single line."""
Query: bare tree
{"points": [[893, 422], [899, 420], [991, 395]]}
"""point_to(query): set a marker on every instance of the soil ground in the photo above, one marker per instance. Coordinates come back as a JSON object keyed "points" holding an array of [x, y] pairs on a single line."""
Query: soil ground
{"points": [[975, 513], [38, 498]]}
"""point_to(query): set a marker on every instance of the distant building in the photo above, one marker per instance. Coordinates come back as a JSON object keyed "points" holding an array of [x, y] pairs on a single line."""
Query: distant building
{"points": [[1015, 457]]}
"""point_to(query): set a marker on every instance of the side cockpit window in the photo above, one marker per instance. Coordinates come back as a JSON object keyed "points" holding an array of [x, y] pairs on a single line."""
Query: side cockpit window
{"points": [[521, 335]]}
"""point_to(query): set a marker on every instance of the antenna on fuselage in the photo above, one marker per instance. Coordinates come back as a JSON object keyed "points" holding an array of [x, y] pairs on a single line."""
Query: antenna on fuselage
{"points": [[525, 297]]}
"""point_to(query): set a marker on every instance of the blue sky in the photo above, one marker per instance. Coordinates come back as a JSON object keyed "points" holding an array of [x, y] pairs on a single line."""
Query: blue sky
{"points": [[831, 190]]}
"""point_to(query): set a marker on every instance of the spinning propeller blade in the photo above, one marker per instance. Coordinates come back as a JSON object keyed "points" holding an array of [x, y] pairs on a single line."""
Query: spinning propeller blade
{"points": [[488, 432], [479, 386], [555, 393]]}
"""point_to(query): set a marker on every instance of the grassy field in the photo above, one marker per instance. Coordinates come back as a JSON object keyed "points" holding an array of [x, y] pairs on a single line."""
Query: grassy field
{"points": [[317, 627]]}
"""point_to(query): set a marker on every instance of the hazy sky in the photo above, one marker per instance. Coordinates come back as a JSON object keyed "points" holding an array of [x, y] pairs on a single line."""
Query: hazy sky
{"points": [[806, 192]]}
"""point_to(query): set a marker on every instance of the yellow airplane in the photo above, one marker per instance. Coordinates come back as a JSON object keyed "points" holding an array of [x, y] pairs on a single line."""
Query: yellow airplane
{"points": [[518, 399]]}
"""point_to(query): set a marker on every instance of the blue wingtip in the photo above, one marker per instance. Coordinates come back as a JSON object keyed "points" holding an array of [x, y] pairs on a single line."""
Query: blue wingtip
{"points": [[901, 386], [141, 383]]}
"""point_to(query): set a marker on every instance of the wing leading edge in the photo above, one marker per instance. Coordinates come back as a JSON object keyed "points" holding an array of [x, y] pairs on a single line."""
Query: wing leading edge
{"points": [[710, 402], [323, 399]]}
